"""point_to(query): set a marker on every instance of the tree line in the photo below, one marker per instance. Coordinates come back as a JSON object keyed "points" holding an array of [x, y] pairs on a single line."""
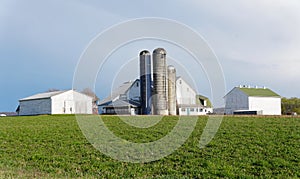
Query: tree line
{"points": [[290, 105]]}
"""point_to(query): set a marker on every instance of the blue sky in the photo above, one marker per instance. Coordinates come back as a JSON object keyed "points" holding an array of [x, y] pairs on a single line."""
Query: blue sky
{"points": [[256, 41]]}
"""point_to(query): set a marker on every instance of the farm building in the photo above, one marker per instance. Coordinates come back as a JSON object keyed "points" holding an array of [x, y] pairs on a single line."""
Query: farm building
{"points": [[57, 102], [255, 101], [188, 102], [124, 100]]}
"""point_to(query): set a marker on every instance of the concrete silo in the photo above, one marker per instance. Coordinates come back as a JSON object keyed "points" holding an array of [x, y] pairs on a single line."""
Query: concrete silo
{"points": [[145, 80], [172, 90], [160, 88]]}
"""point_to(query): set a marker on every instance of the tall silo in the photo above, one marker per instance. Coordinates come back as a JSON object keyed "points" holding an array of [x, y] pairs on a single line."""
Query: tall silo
{"points": [[160, 103], [145, 80], [172, 90]]}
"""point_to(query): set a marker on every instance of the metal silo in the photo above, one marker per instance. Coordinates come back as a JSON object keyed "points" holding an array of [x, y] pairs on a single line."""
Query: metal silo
{"points": [[160, 103], [145, 80], [172, 90]]}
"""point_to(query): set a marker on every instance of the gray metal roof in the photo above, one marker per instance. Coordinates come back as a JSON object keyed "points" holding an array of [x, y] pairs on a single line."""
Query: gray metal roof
{"points": [[117, 92], [122, 103], [42, 95], [191, 105]]}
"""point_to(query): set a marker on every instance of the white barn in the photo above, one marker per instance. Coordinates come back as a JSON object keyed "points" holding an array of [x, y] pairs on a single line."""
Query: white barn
{"points": [[188, 102], [247, 100], [57, 102]]}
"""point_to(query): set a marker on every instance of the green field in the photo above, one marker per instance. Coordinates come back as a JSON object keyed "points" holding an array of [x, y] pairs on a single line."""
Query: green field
{"points": [[54, 147]]}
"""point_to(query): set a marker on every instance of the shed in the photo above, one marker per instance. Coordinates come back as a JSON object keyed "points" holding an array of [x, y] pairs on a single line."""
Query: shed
{"points": [[57, 102]]}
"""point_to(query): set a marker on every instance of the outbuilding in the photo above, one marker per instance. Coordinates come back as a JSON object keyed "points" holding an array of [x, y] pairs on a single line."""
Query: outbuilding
{"points": [[252, 101], [57, 102]]}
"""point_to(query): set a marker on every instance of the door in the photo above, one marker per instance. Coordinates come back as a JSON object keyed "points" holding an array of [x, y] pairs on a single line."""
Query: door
{"points": [[69, 107]]}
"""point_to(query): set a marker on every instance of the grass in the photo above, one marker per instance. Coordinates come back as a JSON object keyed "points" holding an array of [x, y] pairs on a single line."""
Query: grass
{"points": [[54, 147]]}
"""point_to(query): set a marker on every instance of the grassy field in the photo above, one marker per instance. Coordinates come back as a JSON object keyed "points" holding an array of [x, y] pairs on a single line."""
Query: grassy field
{"points": [[54, 146]]}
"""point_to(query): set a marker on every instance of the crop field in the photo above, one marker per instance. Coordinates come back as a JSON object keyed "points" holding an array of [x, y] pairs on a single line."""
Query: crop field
{"points": [[55, 147]]}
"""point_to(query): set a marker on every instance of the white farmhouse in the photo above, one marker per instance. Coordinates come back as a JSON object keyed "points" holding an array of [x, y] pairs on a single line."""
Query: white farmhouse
{"points": [[57, 102], [248, 100]]}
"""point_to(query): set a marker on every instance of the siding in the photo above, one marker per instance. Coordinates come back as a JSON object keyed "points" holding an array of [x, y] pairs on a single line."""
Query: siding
{"points": [[35, 107], [71, 102], [185, 94], [133, 92], [236, 100], [269, 105]]}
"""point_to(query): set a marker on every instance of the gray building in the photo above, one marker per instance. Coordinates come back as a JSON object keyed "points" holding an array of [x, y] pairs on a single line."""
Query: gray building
{"points": [[123, 100]]}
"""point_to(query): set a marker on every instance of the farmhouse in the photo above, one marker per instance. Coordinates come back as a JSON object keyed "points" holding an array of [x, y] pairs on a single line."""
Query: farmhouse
{"points": [[57, 102], [252, 100]]}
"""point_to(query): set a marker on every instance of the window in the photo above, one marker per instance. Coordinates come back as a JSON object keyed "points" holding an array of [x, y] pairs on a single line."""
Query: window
{"points": [[179, 81], [183, 109], [137, 84], [192, 109]]}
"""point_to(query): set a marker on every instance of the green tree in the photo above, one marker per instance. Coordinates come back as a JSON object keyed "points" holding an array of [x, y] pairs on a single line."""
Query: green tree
{"points": [[290, 105]]}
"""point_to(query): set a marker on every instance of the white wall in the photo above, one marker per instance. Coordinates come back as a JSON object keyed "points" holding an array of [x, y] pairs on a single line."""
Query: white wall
{"points": [[236, 100], [269, 105], [35, 107], [193, 111], [184, 93], [134, 91], [71, 102]]}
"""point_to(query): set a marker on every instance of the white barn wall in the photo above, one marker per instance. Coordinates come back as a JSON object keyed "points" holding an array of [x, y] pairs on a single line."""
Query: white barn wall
{"points": [[269, 105], [63, 103], [184, 93], [83, 103], [236, 100], [72, 102], [35, 107], [134, 91]]}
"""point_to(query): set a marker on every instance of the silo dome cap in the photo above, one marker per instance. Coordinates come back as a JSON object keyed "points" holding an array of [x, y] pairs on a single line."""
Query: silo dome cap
{"points": [[171, 67], [145, 52], [160, 50]]}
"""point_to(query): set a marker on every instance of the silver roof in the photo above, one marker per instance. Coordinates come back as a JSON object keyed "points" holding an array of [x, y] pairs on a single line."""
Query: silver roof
{"points": [[122, 103], [117, 92], [42, 95]]}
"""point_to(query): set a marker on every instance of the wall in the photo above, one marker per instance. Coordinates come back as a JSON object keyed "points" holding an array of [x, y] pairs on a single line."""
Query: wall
{"points": [[134, 91], [71, 102], [35, 107], [184, 93], [193, 111], [236, 100], [268, 105]]}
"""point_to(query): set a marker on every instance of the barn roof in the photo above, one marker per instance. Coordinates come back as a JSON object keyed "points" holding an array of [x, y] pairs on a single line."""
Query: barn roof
{"points": [[259, 92], [122, 103], [42, 95], [117, 92]]}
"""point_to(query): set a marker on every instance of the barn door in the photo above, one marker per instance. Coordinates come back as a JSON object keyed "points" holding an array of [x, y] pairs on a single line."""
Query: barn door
{"points": [[69, 107]]}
